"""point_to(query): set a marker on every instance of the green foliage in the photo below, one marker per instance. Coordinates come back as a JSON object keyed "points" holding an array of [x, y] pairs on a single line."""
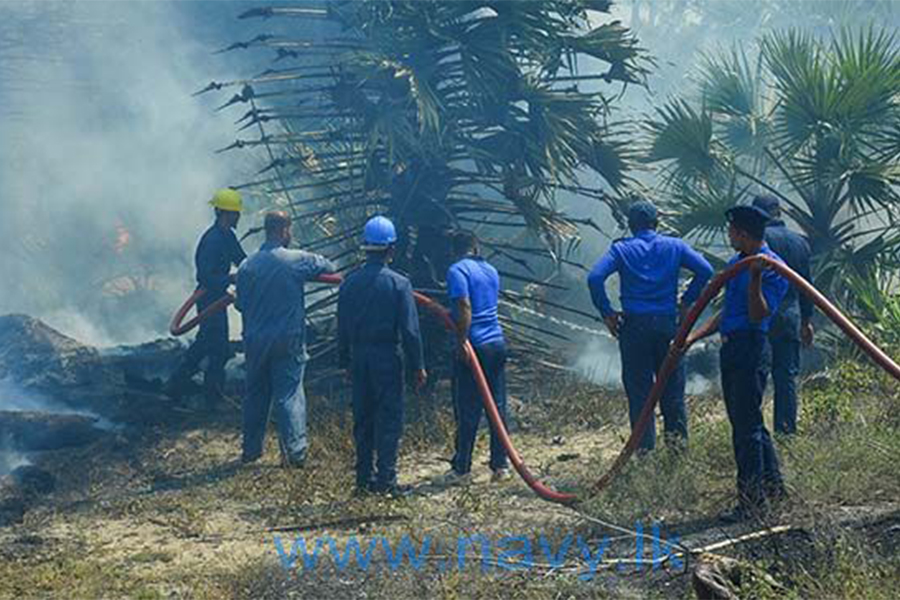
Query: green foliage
{"points": [[436, 111], [810, 121]]}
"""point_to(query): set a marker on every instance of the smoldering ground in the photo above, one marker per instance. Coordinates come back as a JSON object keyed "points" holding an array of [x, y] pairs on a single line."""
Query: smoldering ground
{"points": [[107, 160]]}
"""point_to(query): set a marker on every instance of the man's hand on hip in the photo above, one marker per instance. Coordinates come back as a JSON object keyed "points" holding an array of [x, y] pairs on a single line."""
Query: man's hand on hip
{"points": [[612, 323]]}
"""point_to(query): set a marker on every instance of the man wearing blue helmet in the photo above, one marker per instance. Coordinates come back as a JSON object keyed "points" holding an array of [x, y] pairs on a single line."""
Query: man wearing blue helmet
{"points": [[377, 317]]}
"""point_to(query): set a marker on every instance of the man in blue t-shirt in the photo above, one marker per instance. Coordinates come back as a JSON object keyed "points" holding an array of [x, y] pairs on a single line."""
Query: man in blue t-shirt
{"points": [[751, 299], [473, 286], [648, 265]]}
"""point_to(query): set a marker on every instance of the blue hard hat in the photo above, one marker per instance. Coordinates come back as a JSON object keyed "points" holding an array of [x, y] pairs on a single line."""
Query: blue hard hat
{"points": [[379, 233]]}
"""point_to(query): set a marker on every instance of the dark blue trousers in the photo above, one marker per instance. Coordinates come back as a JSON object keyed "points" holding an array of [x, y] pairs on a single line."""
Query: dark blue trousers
{"points": [[784, 342], [743, 366], [468, 406], [643, 343], [377, 372], [211, 343]]}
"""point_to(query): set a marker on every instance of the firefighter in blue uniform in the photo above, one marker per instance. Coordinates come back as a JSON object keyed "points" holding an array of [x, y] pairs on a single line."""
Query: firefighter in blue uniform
{"points": [[271, 299], [376, 317], [217, 251], [648, 265], [473, 286], [792, 325], [751, 299]]}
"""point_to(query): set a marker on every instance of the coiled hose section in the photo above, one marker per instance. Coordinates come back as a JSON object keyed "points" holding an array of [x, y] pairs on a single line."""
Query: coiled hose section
{"points": [[676, 351]]}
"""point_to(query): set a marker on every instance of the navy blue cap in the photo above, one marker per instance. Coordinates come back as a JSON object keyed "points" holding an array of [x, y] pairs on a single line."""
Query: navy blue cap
{"points": [[750, 219], [770, 204], [641, 215]]}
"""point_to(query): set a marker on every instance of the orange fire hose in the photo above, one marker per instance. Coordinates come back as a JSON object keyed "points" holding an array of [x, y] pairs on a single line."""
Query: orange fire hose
{"points": [[176, 327], [678, 348], [676, 351], [491, 409]]}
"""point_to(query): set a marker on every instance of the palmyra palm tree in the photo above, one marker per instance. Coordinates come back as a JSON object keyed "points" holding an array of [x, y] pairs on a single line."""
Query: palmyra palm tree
{"points": [[465, 114], [815, 123]]}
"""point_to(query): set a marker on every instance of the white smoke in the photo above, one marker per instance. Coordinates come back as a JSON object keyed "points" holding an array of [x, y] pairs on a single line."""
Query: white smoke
{"points": [[106, 162]]}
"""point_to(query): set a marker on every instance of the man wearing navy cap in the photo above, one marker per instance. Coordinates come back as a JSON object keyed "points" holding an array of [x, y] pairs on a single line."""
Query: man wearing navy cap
{"points": [[751, 299], [791, 325], [648, 265]]}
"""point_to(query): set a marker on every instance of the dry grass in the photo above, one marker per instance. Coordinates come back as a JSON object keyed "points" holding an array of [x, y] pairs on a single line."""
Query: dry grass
{"points": [[170, 514]]}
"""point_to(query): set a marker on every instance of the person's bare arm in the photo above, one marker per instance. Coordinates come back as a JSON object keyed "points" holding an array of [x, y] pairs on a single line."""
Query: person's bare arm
{"points": [[463, 322], [709, 327], [757, 307]]}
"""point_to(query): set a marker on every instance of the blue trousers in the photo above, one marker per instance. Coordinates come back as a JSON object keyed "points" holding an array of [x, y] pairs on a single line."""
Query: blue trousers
{"points": [[643, 343], [468, 406], [784, 342], [275, 377], [742, 362], [211, 343], [377, 372]]}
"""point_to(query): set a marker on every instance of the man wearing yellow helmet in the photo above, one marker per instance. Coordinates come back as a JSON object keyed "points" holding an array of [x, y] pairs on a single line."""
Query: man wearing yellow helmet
{"points": [[217, 251]]}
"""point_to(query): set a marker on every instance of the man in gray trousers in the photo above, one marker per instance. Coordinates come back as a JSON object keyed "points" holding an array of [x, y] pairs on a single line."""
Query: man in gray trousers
{"points": [[271, 298]]}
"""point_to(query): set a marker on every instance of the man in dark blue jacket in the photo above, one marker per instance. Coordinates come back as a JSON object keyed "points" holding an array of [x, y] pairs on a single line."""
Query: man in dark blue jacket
{"points": [[217, 251], [648, 265], [791, 326], [376, 317]]}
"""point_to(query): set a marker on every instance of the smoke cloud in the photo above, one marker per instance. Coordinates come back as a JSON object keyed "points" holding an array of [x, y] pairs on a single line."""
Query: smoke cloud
{"points": [[106, 160]]}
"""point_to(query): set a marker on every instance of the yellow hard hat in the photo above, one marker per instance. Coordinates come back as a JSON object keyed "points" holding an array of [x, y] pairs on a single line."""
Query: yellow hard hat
{"points": [[227, 199]]}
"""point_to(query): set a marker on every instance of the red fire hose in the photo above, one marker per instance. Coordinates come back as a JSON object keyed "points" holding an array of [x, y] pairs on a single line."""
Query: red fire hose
{"points": [[491, 408], [678, 348], [177, 328], [675, 353]]}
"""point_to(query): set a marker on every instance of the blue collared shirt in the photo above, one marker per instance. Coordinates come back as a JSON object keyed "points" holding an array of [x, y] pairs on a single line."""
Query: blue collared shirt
{"points": [[270, 293], [476, 279], [736, 311], [648, 265]]}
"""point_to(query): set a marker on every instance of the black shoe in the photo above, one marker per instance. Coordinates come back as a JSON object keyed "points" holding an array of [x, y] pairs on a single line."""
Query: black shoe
{"points": [[742, 512], [296, 461], [246, 459], [394, 490]]}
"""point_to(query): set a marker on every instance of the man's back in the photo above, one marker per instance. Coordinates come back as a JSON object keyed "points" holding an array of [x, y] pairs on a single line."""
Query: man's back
{"points": [[794, 250], [376, 307], [217, 250], [648, 264], [270, 291], [476, 279]]}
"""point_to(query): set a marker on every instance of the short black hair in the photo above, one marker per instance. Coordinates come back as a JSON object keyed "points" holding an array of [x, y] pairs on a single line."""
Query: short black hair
{"points": [[276, 221], [752, 220], [463, 242]]}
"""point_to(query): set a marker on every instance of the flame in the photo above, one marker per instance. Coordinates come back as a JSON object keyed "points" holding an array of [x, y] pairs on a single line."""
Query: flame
{"points": [[123, 238]]}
